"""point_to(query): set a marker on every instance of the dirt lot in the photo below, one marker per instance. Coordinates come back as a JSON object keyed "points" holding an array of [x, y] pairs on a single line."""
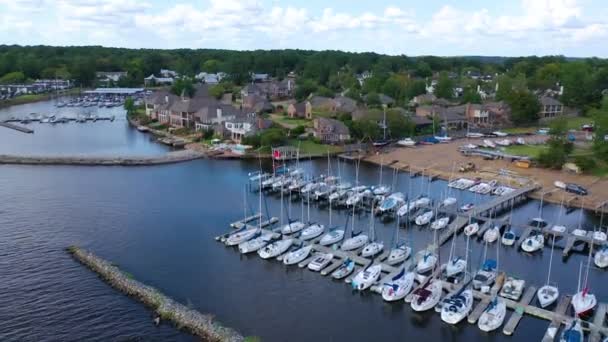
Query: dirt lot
{"points": [[443, 160]]}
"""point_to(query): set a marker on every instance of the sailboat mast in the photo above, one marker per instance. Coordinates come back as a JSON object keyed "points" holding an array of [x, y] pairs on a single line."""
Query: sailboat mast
{"points": [[384, 123], [282, 204], [550, 261], [372, 230]]}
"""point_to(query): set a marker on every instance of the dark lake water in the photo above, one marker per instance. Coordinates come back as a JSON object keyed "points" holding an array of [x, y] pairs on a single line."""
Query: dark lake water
{"points": [[158, 223], [100, 138]]}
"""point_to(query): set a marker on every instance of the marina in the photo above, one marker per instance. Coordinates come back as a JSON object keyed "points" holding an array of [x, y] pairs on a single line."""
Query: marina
{"points": [[486, 214]]}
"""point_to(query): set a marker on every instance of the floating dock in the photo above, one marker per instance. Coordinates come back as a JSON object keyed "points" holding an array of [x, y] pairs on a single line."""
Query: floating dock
{"points": [[17, 127]]}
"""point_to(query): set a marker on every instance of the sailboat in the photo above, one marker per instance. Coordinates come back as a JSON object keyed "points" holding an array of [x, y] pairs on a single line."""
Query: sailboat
{"points": [[548, 294], [573, 333], [390, 203], [334, 235], [320, 261], [428, 259], [356, 240], [601, 257], [347, 267], [400, 251], [381, 189], [458, 305], [366, 277], [275, 249], [493, 316], [584, 302], [491, 234], [427, 296], [256, 243], [249, 233], [297, 255], [455, 265], [425, 218], [533, 243], [292, 226], [399, 286], [373, 247]]}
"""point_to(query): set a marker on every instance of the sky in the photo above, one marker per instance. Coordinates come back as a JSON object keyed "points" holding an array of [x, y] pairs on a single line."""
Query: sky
{"points": [[576, 28]]}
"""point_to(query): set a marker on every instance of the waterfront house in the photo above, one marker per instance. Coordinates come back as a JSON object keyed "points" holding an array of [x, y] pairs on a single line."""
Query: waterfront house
{"points": [[550, 107], [257, 104], [300, 110], [154, 81], [158, 103], [330, 131], [243, 126], [270, 89]]}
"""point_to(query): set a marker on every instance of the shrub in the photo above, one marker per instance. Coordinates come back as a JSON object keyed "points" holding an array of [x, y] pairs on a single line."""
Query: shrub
{"points": [[298, 130], [586, 163]]}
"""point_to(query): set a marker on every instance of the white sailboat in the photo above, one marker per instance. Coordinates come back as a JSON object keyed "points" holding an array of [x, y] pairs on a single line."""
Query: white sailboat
{"points": [[427, 296], [249, 233], [533, 243], [424, 219], [601, 257], [347, 267], [373, 247], [584, 302], [254, 244], [548, 294], [458, 306], [493, 316], [297, 256], [275, 249], [399, 286], [312, 231], [366, 277], [491, 235], [400, 251], [356, 240], [471, 228], [440, 223]]}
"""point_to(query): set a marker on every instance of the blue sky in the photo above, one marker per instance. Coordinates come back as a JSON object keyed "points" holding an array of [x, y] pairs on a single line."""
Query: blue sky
{"points": [[430, 27]]}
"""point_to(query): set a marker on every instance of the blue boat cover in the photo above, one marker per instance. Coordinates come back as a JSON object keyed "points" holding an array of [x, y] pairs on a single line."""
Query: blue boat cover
{"points": [[489, 265]]}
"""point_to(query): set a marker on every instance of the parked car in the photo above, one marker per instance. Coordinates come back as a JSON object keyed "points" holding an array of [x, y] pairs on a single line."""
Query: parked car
{"points": [[576, 189]]}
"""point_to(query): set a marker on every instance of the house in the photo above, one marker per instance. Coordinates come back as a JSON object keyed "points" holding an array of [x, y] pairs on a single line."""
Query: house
{"points": [[322, 103], [253, 89], [209, 78], [274, 90], [454, 116], [385, 100], [300, 110], [259, 77], [110, 75], [343, 104], [214, 114], [499, 113], [158, 103], [241, 126], [423, 99], [168, 73], [363, 76], [257, 104], [478, 115], [330, 131], [153, 80], [550, 107]]}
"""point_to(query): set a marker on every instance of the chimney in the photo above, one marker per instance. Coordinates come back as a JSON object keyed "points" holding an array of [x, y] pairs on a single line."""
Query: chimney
{"points": [[561, 90], [219, 112], [166, 98]]}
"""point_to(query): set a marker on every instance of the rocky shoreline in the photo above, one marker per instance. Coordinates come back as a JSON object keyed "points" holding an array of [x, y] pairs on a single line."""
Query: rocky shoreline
{"points": [[167, 158], [198, 324]]}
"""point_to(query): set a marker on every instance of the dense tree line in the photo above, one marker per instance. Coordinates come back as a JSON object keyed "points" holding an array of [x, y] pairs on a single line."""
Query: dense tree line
{"points": [[320, 72]]}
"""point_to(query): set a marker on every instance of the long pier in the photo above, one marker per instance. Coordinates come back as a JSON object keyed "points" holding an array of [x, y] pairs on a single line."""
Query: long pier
{"points": [[17, 127]]}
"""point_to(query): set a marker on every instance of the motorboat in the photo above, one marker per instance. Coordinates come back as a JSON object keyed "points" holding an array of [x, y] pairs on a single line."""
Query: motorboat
{"points": [[559, 229], [599, 236], [560, 184], [426, 297], [331, 237], [366, 277], [533, 243], [486, 275], [547, 295], [275, 249], [601, 257], [471, 229], [320, 261], [573, 333], [312, 231], [440, 223], [502, 190], [426, 262], [443, 139], [356, 241], [449, 201], [458, 306], [398, 254], [372, 249], [579, 232], [297, 256], [241, 236], [254, 244], [583, 303], [425, 218], [538, 222], [391, 203], [407, 142], [399, 286], [455, 266], [469, 146], [467, 207], [508, 238], [347, 267], [292, 227], [493, 316], [512, 288], [491, 234]]}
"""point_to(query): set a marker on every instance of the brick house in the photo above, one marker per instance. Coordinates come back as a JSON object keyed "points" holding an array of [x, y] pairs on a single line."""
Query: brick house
{"points": [[330, 131], [300, 110], [550, 107]]}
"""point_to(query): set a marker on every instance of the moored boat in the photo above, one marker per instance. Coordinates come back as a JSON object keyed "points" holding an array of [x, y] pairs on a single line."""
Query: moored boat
{"points": [[366, 277], [320, 261]]}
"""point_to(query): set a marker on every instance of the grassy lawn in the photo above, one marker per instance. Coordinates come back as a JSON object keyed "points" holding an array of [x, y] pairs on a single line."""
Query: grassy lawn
{"points": [[577, 122], [288, 122], [532, 151], [323, 114], [573, 123], [311, 147]]}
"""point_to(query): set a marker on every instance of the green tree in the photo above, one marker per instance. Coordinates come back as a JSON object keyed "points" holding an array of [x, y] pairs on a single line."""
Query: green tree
{"points": [[324, 91], [183, 86], [304, 89], [524, 107], [273, 137], [130, 106], [423, 70], [577, 82], [13, 77], [505, 87], [210, 65], [471, 95], [373, 100], [445, 87], [399, 126], [414, 88], [217, 91], [600, 119]]}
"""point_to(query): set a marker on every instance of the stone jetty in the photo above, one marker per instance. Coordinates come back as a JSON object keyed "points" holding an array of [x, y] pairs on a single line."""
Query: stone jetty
{"points": [[167, 158], [198, 324]]}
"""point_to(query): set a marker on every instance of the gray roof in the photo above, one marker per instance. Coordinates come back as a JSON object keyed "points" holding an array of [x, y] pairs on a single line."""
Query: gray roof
{"points": [[549, 101], [332, 126], [317, 101], [345, 104]]}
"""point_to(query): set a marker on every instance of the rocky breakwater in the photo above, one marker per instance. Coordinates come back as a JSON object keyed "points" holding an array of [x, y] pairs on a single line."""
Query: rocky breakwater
{"points": [[183, 317], [167, 158]]}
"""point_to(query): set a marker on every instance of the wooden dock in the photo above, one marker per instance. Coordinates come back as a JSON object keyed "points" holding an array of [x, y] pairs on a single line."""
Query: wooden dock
{"points": [[21, 129], [241, 223], [518, 314], [598, 322], [556, 322]]}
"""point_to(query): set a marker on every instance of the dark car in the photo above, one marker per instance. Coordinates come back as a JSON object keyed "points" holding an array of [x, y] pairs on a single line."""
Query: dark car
{"points": [[576, 189]]}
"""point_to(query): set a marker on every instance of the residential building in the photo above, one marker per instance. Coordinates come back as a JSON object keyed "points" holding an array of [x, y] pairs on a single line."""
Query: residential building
{"points": [[322, 103], [107, 76], [153, 81], [423, 99], [550, 107], [300, 110], [168, 73], [255, 77], [274, 90], [343, 104], [362, 77], [158, 103], [210, 78], [257, 104], [330, 131]]}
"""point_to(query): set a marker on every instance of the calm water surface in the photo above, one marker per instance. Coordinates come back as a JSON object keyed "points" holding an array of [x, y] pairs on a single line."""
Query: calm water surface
{"points": [[158, 223], [100, 138]]}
